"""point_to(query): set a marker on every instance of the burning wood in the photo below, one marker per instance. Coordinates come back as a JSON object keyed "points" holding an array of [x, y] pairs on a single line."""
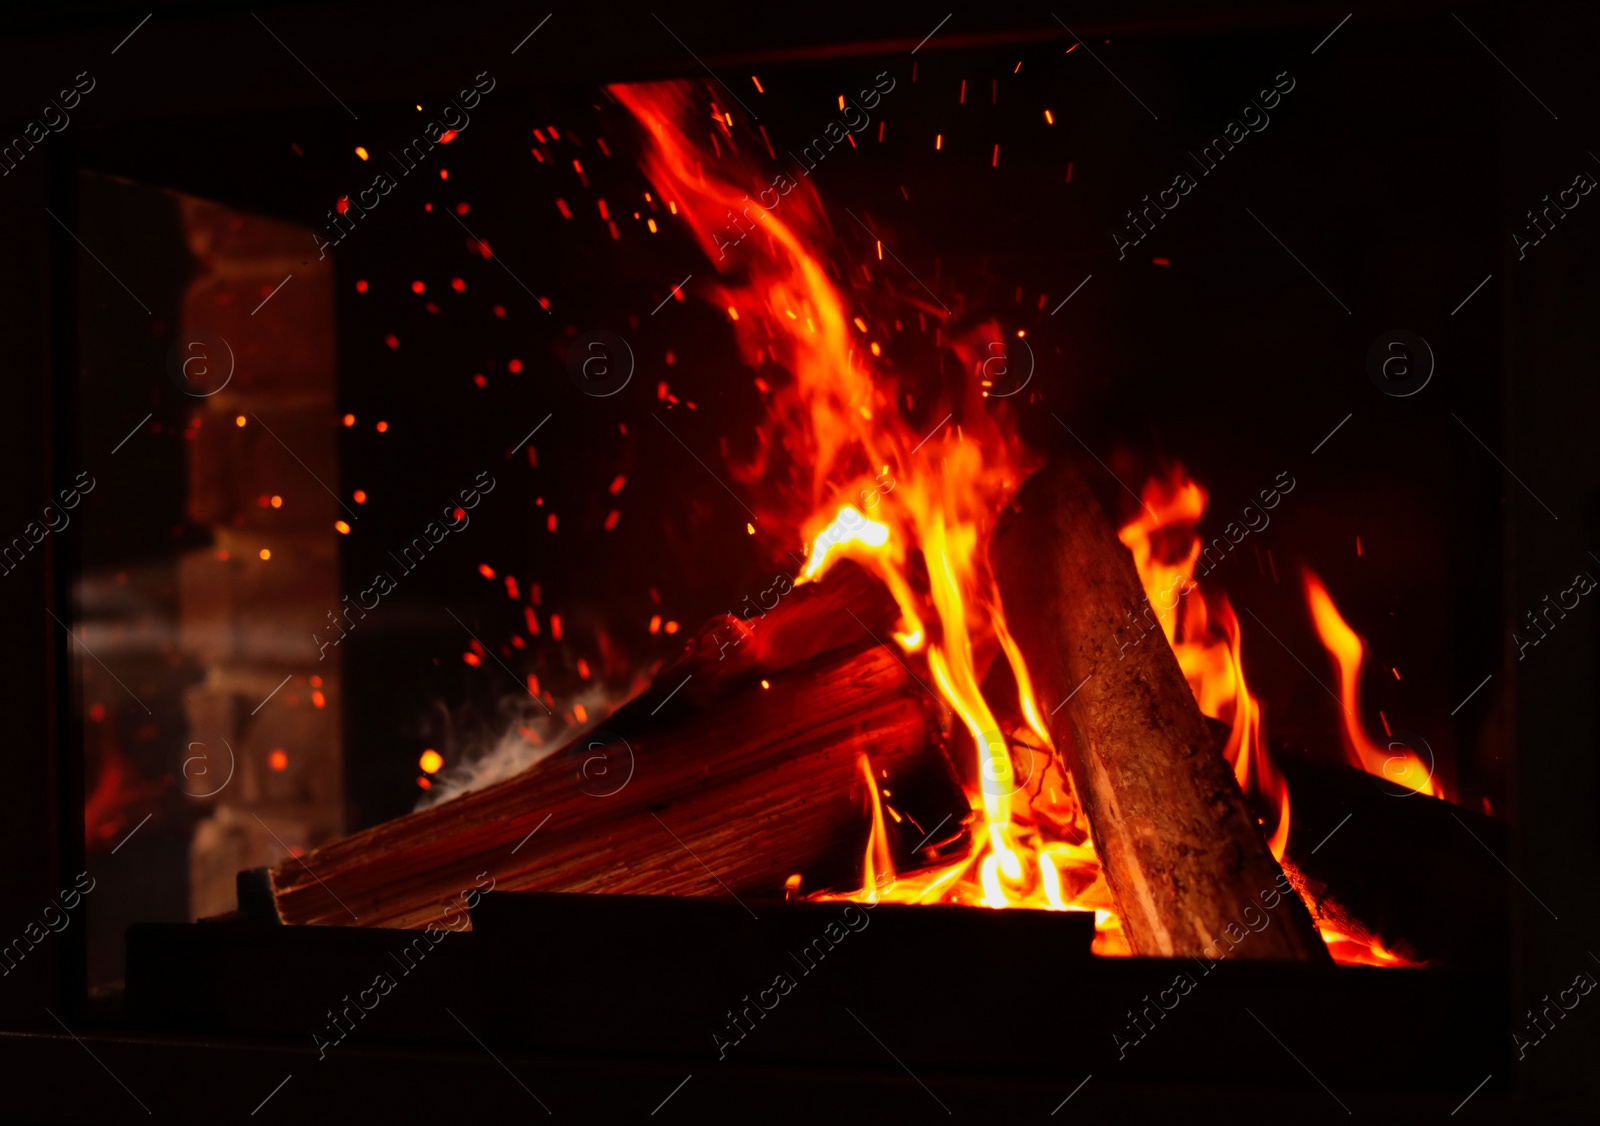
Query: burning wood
{"points": [[1181, 851], [726, 777], [773, 743], [1404, 877]]}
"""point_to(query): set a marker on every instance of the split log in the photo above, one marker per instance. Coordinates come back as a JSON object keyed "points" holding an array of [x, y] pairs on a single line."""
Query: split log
{"points": [[844, 609], [672, 797], [1182, 853], [1401, 868]]}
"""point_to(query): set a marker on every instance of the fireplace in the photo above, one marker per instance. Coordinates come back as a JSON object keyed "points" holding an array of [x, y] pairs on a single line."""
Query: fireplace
{"points": [[1106, 520]]}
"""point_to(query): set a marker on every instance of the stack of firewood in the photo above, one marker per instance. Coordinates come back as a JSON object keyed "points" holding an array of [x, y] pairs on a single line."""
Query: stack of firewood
{"points": [[742, 768]]}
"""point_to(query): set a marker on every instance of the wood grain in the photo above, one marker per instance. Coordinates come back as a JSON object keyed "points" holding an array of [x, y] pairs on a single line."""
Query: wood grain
{"points": [[728, 795]]}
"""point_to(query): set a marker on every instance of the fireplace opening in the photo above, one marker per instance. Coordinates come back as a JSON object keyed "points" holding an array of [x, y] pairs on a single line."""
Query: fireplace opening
{"points": [[502, 589]]}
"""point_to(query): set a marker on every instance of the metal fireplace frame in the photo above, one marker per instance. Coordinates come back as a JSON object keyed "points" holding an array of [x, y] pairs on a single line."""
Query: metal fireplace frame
{"points": [[48, 1020]]}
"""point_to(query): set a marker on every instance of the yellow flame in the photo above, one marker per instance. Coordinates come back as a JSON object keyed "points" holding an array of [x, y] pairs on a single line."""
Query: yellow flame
{"points": [[878, 867], [847, 528]]}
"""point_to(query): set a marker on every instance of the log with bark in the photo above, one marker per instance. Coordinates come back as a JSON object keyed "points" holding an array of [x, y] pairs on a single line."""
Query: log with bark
{"points": [[710, 783], [1182, 854]]}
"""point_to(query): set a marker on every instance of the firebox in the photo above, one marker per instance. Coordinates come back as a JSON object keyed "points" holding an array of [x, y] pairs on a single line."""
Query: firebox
{"points": [[717, 563]]}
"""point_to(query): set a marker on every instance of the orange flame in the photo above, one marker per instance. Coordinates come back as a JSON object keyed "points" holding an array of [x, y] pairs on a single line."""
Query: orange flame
{"points": [[845, 468], [1397, 764], [856, 478], [1204, 633]]}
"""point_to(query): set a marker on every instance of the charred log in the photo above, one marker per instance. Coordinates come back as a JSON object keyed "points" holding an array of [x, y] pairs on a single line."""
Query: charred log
{"points": [[730, 789]]}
